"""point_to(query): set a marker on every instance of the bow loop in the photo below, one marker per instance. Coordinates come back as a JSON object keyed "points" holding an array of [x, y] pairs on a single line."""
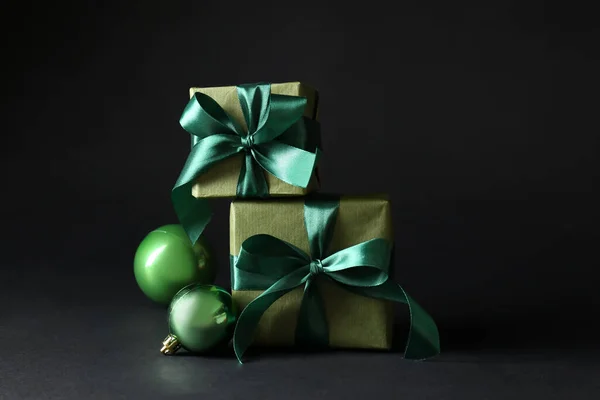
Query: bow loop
{"points": [[284, 112], [203, 117], [365, 264], [263, 259], [255, 101]]}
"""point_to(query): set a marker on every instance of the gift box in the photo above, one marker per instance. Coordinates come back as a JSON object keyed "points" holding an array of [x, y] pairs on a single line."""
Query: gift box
{"points": [[250, 141], [221, 179], [353, 320]]}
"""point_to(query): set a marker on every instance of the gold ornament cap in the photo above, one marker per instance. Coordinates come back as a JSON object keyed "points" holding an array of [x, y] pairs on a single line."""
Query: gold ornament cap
{"points": [[170, 345]]}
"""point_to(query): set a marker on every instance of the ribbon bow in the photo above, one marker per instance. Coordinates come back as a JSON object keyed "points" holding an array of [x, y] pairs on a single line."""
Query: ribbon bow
{"points": [[279, 140], [266, 262]]}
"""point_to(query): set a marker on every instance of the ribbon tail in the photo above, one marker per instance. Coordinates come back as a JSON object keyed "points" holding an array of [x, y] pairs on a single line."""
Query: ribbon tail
{"points": [[312, 329], [194, 214], [251, 315], [252, 181], [423, 337]]}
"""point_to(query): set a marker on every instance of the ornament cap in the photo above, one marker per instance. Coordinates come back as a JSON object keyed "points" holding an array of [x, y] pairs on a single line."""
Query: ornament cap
{"points": [[170, 345]]}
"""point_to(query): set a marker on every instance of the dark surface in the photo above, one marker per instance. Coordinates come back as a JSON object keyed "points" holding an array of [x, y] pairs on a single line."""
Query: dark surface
{"points": [[480, 121], [105, 345]]}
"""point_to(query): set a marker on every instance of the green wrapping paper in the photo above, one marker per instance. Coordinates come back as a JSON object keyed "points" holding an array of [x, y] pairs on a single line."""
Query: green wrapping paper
{"points": [[354, 321]]}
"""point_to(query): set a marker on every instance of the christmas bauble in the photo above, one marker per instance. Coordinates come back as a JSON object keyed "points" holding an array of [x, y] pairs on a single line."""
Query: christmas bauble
{"points": [[200, 317], [166, 261]]}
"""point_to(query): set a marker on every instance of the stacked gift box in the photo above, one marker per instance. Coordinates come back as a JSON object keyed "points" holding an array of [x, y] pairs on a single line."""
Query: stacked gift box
{"points": [[307, 269]]}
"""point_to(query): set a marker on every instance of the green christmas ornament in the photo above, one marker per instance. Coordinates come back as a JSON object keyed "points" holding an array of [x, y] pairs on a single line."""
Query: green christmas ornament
{"points": [[200, 317], [166, 261]]}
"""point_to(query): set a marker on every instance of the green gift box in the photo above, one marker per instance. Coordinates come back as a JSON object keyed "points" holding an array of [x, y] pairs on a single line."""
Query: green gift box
{"points": [[274, 260]]}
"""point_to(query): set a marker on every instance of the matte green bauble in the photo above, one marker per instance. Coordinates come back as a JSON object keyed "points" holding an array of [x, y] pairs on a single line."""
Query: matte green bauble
{"points": [[166, 261], [200, 317]]}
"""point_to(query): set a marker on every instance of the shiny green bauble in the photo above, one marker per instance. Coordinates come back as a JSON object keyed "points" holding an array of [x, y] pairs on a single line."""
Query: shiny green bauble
{"points": [[166, 261], [200, 317]]}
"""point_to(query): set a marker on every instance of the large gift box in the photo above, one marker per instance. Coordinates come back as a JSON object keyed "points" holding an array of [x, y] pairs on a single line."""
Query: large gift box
{"points": [[354, 321], [221, 179], [317, 272]]}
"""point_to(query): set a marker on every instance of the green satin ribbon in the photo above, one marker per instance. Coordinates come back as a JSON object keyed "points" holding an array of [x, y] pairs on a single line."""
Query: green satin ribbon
{"points": [[279, 140], [277, 267]]}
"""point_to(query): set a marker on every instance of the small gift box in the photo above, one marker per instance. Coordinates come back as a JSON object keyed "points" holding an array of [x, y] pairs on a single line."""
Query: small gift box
{"points": [[251, 141], [222, 178], [316, 271]]}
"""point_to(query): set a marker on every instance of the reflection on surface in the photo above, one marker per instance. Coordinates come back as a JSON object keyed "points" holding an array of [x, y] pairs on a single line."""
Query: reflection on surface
{"points": [[174, 375]]}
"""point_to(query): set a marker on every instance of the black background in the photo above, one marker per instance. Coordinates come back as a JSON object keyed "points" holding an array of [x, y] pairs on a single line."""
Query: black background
{"points": [[480, 119]]}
